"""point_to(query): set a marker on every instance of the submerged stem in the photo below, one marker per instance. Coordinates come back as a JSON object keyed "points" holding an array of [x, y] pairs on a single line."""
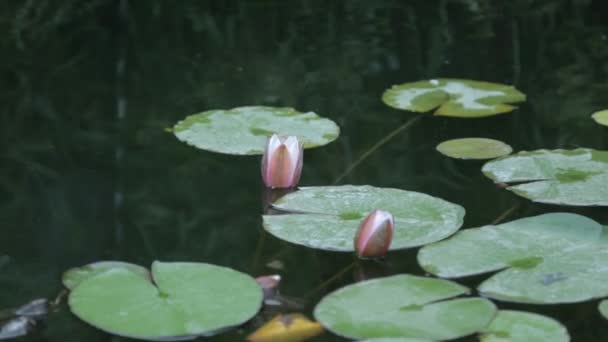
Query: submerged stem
{"points": [[376, 146], [505, 214], [330, 280]]}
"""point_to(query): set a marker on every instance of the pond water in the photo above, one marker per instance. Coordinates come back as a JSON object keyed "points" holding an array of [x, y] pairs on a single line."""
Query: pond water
{"points": [[89, 173]]}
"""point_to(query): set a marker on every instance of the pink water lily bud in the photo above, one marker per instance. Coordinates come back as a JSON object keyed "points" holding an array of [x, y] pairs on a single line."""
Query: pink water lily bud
{"points": [[282, 162], [374, 235]]}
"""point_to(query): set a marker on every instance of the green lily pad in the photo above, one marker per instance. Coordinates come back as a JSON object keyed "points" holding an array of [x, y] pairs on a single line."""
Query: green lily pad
{"points": [[404, 306], [545, 259], [245, 130], [74, 276], [520, 326], [603, 307], [454, 97], [185, 301], [328, 216], [474, 148], [568, 177], [601, 117]]}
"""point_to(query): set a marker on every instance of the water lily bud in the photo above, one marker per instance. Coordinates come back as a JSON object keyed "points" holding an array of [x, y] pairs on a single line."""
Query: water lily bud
{"points": [[282, 162], [374, 235]]}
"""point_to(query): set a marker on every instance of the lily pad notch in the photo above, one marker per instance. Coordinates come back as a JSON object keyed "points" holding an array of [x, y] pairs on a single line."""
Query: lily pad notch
{"points": [[245, 130], [186, 300], [454, 97]]}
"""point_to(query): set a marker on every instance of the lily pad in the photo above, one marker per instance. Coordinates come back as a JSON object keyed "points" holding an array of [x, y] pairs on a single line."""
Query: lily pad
{"points": [[603, 307], [568, 177], [328, 216], [474, 148], [404, 306], [520, 326], [601, 117], [72, 277], [545, 259], [185, 301], [454, 97], [244, 130]]}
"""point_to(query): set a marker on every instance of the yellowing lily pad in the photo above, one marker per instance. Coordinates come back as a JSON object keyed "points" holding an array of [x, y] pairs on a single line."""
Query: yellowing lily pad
{"points": [[404, 306], [245, 130], [545, 259], [601, 117], [568, 177], [474, 148], [286, 328], [185, 301], [327, 217], [454, 97], [520, 326]]}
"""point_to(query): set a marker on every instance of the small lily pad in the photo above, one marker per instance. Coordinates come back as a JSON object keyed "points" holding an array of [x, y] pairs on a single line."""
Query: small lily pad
{"points": [[244, 130], [404, 306], [520, 326], [603, 307], [474, 148], [454, 97], [601, 117], [328, 216], [72, 277], [185, 301], [567, 177], [545, 259]]}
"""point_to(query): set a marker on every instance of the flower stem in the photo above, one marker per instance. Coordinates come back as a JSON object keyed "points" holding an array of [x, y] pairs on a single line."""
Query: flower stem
{"points": [[376, 146]]}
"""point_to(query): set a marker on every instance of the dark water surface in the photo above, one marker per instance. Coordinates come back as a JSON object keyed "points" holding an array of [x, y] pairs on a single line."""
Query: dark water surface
{"points": [[88, 173]]}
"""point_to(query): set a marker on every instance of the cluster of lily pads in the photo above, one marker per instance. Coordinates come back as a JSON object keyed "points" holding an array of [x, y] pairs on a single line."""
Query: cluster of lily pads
{"points": [[546, 259]]}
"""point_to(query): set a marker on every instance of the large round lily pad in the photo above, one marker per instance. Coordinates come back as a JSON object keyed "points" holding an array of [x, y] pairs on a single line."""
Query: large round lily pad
{"points": [[245, 130], [569, 177], [603, 308], [474, 148], [186, 300], [454, 97], [546, 259], [328, 216], [520, 326], [404, 306], [601, 117]]}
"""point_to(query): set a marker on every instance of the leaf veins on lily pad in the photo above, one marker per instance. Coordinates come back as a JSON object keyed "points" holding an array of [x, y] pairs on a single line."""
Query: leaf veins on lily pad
{"points": [[404, 306], [454, 97], [181, 301], [546, 259], [327, 217], [568, 177], [244, 130]]}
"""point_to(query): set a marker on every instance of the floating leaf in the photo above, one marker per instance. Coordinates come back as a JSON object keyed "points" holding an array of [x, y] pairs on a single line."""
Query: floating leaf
{"points": [[72, 277], [245, 130], [474, 148], [328, 217], [551, 258], [601, 117], [569, 177], [404, 306], [286, 328], [454, 97], [603, 307], [186, 300], [519, 326]]}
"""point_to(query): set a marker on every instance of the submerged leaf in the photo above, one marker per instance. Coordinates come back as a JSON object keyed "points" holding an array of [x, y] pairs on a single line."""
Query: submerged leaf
{"points": [[403, 306], [328, 216], [569, 177], [454, 97], [245, 130], [551, 258], [286, 328], [474, 148]]}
